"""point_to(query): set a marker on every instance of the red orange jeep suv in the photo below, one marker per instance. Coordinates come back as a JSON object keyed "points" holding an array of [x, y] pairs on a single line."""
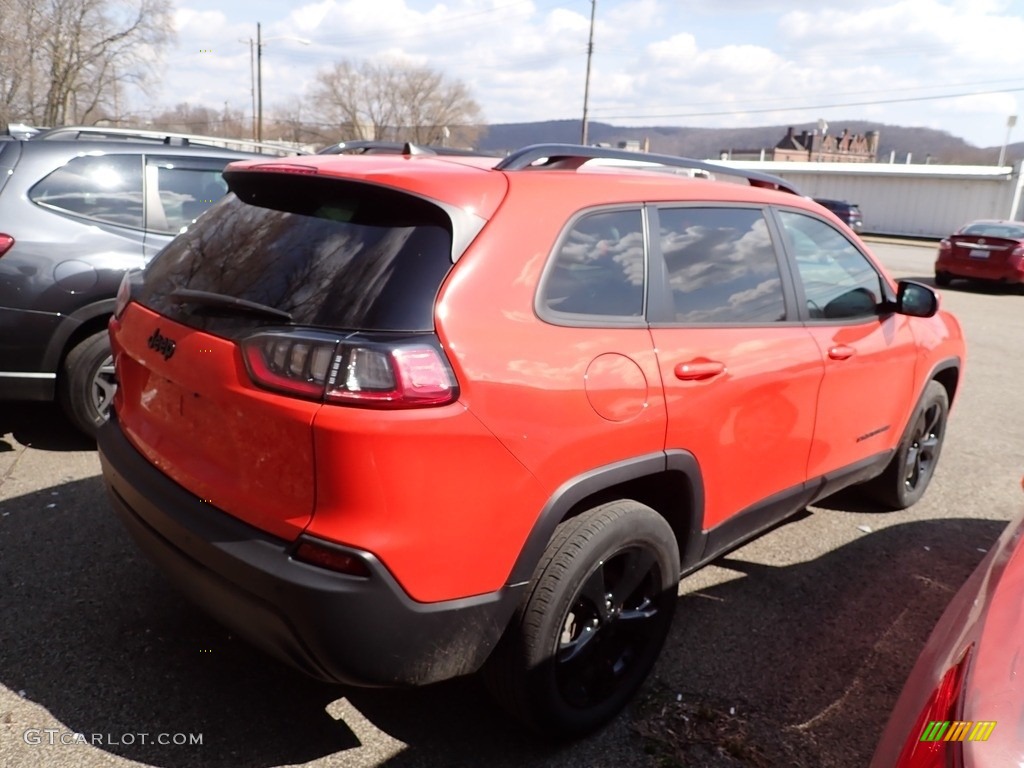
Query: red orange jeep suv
{"points": [[400, 417]]}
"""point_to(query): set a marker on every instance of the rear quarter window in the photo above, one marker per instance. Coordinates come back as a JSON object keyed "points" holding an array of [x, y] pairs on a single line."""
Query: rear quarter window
{"points": [[598, 270], [105, 187]]}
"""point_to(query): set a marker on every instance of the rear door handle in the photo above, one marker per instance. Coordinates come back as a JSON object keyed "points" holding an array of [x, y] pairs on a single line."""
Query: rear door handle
{"points": [[841, 352], [698, 370]]}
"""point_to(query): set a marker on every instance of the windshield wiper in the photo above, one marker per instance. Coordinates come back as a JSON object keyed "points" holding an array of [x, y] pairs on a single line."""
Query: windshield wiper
{"points": [[223, 301]]}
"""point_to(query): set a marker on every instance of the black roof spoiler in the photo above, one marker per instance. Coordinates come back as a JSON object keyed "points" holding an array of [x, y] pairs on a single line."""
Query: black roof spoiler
{"points": [[572, 156]]}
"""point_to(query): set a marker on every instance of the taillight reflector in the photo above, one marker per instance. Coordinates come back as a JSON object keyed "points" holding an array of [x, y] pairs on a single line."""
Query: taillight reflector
{"points": [[331, 559], [371, 374], [6, 241]]}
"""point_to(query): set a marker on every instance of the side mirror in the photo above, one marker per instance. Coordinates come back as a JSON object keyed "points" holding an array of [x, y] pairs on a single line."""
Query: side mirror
{"points": [[916, 299]]}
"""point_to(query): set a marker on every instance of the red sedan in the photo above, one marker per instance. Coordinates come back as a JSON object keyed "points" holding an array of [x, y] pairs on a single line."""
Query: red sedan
{"points": [[964, 700], [983, 250]]}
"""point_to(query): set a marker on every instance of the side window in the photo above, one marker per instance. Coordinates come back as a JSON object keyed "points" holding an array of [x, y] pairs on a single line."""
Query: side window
{"points": [[721, 266], [599, 267], [183, 194], [104, 187], [839, 282]]}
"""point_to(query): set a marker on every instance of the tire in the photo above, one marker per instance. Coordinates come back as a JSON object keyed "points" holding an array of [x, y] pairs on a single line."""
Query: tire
{"points": [[905, 480], [86, 386], [599, 609], [943, 279]]}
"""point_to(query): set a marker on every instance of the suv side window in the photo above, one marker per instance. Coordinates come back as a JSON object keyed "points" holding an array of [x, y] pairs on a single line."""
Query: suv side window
{"points": [[721, 266], [599, 267], [184, 192], [839, 282], [104, 187]]}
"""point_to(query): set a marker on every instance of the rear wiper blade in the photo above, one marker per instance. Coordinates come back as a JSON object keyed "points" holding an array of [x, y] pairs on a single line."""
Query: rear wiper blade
{"points": [[223, 301]]}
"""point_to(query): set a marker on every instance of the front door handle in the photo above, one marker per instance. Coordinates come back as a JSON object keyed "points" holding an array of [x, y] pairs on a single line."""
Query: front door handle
{"points": [[841, 352], [699, 370]]}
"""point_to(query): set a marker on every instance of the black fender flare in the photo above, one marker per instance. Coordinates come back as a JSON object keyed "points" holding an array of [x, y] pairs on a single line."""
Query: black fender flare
{"points": [[71, 323], [943, 365], [684, 474]]}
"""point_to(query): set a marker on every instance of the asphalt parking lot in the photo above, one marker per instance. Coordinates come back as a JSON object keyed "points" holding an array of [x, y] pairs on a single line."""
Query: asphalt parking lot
{"points": [[790, 651]]}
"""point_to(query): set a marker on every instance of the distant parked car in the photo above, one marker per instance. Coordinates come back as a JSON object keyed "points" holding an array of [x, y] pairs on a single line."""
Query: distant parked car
{"points": [[963, 702], [77, 210], [983, 250], [848, 213]]}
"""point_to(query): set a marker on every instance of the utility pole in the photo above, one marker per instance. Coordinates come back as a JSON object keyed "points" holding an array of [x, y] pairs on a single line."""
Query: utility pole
{"points": [[259, 83], [586, 84], [252, 85]]}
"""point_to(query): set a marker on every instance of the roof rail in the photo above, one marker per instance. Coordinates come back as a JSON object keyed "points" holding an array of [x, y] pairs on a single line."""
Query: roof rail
{"points": [[93, 132], [572, 156], [375, 147]]}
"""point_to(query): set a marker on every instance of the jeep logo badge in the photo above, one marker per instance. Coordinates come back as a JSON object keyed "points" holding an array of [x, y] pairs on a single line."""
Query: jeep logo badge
{"points": [[161, 344]]}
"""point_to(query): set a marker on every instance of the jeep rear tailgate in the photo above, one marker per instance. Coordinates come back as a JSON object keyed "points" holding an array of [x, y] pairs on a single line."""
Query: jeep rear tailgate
{"points": [[186, 403]]}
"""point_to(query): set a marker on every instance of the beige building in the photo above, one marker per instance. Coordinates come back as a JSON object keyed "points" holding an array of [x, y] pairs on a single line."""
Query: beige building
{"points": [[815, 147]]}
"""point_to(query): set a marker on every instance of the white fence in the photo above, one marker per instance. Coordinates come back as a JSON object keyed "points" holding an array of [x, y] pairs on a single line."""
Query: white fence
{"points": [[916, 200]]}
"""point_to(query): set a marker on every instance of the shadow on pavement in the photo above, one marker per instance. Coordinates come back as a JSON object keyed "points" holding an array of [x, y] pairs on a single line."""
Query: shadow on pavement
{"points": [[40, 425], [810, 658]]}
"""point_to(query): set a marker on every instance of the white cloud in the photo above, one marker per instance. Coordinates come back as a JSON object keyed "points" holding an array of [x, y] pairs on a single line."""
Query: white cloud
{"points": [[656, 62]]}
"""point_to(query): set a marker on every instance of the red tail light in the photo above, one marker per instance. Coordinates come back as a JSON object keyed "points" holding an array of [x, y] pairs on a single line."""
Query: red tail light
{"points": [[363, 373], [6, 241], [943, 706]]}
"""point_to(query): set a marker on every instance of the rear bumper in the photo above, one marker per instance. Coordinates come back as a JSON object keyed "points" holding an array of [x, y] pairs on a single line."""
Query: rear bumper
{"points": [[339, 628], [981, 270]]}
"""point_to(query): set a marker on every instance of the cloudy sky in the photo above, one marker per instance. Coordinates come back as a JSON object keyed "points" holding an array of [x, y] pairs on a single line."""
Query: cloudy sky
{"points": [[954, 65]]}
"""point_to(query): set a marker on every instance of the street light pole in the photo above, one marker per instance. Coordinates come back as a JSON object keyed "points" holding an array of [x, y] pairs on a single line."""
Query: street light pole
{"points": [[258, 117], [1010, 122], [586, 84]]}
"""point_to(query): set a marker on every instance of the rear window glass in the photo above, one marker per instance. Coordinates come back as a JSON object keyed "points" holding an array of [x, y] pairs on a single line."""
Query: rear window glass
{"points": [[332, 254], [992, 229]]}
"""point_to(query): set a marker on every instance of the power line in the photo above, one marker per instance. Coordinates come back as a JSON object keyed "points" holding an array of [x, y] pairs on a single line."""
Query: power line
{"points": [[807, 107], [610, 112]]}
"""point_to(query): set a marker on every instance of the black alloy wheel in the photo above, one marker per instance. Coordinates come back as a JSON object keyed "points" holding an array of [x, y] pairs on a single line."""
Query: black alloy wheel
{"points": [[609, 628], [599, 608], [908, 474]]}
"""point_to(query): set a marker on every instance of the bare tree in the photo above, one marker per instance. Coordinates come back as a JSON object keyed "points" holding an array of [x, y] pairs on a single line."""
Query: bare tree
{"points": [[69, 61], [186, 118], [290, 121], [394, 101]]}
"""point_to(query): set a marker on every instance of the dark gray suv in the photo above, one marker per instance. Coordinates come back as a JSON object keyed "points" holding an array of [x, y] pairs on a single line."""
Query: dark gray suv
{"points": [[75, 215]]}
